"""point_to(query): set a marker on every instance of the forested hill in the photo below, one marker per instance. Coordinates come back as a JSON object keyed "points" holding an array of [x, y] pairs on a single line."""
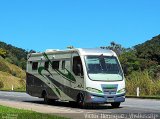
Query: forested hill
{"points": [[13, 54], [139, 58], [141, 66], [150, 49], [148, 53]]}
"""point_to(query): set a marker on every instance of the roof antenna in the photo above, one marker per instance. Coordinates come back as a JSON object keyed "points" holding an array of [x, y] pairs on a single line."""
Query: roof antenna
{"points": [[70, 47]]}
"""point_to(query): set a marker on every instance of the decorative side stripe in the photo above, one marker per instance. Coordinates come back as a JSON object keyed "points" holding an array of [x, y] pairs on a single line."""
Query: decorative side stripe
{"points": [[67, 76]]}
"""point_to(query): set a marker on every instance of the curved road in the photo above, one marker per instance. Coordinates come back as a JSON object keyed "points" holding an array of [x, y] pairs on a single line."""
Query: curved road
{"points": [[131, 108]]}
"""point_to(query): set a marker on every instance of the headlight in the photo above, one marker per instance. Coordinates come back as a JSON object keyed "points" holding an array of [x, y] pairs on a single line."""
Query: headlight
{"points": [[94, 90], [121, 91]]}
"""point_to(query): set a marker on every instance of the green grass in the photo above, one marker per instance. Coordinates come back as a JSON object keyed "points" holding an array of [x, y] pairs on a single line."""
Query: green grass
{"points": [[148, 86], [13, 113]]}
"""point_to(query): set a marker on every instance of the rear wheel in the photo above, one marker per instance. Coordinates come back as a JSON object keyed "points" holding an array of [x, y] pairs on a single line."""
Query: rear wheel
{"points": [[46, 100], [115, 104]]}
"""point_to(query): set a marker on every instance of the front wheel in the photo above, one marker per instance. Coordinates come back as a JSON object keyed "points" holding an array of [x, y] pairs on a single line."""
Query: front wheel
{"points": [[80, 101], [115, 104]]}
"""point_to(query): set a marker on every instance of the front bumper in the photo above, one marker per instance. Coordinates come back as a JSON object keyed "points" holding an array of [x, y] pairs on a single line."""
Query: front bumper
{"points": [[96, 98]]}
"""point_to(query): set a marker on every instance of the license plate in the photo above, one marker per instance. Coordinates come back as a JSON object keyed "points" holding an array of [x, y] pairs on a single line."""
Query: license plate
{"points": [[110, 99]]}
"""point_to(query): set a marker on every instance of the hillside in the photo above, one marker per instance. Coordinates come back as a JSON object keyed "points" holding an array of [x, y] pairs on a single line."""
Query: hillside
{"points": [[11, 75], [12, 61], [7, 81], [150, 49], [11, 69], [141, 65], [13, 54]]}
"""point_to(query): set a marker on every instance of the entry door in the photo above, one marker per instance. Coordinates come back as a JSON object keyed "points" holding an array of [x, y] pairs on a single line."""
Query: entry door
{"points": [[77, 70]]}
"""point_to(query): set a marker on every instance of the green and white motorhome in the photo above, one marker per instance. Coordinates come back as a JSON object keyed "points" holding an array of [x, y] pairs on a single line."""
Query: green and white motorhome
{"points": [[79, 75]]}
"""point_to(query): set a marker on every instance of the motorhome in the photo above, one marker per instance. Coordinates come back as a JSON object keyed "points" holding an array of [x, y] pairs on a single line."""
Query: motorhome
{"points": [[77, 75]]}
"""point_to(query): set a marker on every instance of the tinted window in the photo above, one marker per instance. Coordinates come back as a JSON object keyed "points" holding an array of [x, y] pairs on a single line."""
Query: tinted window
{"points": [[105, 68], [34, 65], [102, 64], [77, 66], [46, 64], [55, 64], [63, 65]]}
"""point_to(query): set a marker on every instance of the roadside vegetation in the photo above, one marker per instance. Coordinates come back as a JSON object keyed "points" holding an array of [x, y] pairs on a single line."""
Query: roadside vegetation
{"points": [[12, 67], [9, 82], [141, 66], [12, 113], [13, 54], [11, 76], [148, 86]]}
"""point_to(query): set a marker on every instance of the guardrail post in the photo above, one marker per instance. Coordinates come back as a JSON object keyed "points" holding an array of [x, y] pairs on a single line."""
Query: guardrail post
{"points": [[12, 88], [138, 91]]}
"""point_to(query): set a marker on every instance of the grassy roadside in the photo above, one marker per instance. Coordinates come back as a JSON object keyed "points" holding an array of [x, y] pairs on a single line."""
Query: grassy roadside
{"points": [[13, 113], [144, 97], [7, 81], [21, 91], [11, 76], [147, 85]]}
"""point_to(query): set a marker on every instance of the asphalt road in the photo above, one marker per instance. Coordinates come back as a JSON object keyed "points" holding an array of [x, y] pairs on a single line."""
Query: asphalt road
{"points": [[141, 108]]}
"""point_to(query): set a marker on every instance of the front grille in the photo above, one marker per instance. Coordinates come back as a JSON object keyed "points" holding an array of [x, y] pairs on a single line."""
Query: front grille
{"points": [[109, 89]]}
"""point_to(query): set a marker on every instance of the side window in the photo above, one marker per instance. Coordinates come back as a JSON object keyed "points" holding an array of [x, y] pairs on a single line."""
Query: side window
{"points": [[34, 65], [55, 64], [63, 64], [46, 64], [77, 66]]}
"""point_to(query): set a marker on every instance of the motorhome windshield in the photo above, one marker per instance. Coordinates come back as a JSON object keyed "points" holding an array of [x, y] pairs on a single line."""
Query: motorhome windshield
{"points": [[103, 68]]}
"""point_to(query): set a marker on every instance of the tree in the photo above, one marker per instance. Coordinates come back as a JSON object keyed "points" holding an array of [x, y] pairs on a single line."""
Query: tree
{"points": [[23, 63], [129, 61], [117, 48], [1, 84], [149, 50], [3, 52], [13, 54]]}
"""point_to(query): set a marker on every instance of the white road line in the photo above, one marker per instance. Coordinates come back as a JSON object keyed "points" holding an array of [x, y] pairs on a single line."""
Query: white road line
{"points": [[14, 96]]}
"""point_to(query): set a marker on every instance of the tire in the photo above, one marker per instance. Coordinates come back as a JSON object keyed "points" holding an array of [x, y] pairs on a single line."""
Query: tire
{"points": [[72, 104], [46, 100], [80, 101], [115, 104]]}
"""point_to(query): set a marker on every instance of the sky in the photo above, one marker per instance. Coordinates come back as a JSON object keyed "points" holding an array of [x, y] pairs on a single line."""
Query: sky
{"points": [[56, 24]]}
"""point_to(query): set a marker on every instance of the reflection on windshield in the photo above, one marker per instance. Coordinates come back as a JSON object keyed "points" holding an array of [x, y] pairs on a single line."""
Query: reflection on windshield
{"points": [[102, 65]]}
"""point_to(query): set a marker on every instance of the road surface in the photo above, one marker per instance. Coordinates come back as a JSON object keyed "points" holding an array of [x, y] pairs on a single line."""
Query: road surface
{"points": [[131, 108]]}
